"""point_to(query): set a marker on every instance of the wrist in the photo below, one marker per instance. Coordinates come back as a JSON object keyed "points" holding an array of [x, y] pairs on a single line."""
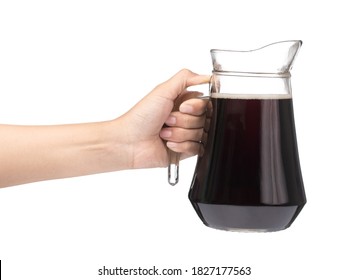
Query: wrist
{"points": [[116, 146]]}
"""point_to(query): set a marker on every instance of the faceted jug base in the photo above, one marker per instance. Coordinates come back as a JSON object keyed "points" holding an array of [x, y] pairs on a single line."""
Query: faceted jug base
{"points": [[247, 218]]}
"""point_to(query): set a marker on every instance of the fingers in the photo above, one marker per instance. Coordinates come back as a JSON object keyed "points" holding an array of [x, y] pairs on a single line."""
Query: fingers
{"points": [[185, 120], [186, 149], [191, 114], [178, 134], [184, 125], [187, 123], [196, 107], [185, 132], [173, 87], [186, 137], [185, 128]]}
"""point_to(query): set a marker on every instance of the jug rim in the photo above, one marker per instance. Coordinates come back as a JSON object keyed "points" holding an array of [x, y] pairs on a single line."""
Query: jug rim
{"points": [[275, 58], [299, 42]]}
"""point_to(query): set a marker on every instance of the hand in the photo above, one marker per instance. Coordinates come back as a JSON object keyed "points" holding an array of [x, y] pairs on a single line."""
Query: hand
{"points": [[182, 129], [135, 140]]}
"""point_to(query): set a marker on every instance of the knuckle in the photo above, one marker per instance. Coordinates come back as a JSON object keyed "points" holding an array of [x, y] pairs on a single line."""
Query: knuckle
{"points": [[191, 148], [185, 71], [186, 121], [200, 134], [190, 122]]}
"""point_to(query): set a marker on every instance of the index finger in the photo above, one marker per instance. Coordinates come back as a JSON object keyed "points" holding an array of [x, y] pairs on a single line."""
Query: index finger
{"points": [[173, 87]]}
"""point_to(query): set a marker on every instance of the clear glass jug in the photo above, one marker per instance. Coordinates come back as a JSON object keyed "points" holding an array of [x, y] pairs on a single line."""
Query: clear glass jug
{"points": [[249, 176]]}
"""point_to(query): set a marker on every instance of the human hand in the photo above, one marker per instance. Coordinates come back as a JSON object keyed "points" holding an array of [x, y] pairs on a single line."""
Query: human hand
{"points": [[169, 117], [138, 139]]}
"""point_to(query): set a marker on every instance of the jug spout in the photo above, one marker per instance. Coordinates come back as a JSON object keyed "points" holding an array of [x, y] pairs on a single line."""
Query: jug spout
{"points": [[276, 58]]}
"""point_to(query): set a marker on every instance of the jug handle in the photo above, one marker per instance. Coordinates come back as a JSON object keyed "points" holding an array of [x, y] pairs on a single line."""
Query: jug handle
{"points": [[173, 168], [174, 158]]}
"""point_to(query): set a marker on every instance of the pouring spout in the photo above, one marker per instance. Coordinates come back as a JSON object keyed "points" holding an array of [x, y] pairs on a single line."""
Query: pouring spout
{"points": [[290, 50], [275, 58]]}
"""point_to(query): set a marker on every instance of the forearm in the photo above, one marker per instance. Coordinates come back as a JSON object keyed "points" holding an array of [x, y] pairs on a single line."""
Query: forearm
{"points": [[36, 153], [134, 140]]}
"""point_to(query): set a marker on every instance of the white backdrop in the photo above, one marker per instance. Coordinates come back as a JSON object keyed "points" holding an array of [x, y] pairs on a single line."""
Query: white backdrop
{"points": [[80, 61]]}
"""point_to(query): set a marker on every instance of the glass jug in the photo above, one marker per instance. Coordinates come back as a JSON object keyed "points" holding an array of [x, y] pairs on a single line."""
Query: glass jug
{"points": [[249, 176]]}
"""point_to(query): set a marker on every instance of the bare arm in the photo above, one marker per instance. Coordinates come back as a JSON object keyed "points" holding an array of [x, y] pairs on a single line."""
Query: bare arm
{"points": [[134, 140], [35, 153]]}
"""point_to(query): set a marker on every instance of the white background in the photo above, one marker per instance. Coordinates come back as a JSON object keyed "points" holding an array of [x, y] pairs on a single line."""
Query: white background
{"points": [[80, 61]]}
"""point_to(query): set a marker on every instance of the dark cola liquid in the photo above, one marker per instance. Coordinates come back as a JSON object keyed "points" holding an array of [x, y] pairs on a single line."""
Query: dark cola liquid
{"points": [[249, 176]]}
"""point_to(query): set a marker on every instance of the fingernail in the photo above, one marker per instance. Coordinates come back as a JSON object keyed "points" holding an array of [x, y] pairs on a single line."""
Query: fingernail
{"points": [[171, 120], [186, 108]]}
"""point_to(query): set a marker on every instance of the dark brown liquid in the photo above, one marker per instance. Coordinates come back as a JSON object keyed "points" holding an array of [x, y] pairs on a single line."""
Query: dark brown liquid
{"points": [[249, 175]]}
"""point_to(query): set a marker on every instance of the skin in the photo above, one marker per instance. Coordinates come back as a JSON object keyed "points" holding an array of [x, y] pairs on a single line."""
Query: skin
{"points": [[169, 117]]}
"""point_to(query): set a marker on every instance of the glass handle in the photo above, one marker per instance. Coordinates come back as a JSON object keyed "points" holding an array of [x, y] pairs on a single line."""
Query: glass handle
{"points": [[174, 158], [173, 173]]}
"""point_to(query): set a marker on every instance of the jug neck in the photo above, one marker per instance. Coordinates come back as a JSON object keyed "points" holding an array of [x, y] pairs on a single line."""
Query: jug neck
{"points": [[259, 73], [250, 87]]}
